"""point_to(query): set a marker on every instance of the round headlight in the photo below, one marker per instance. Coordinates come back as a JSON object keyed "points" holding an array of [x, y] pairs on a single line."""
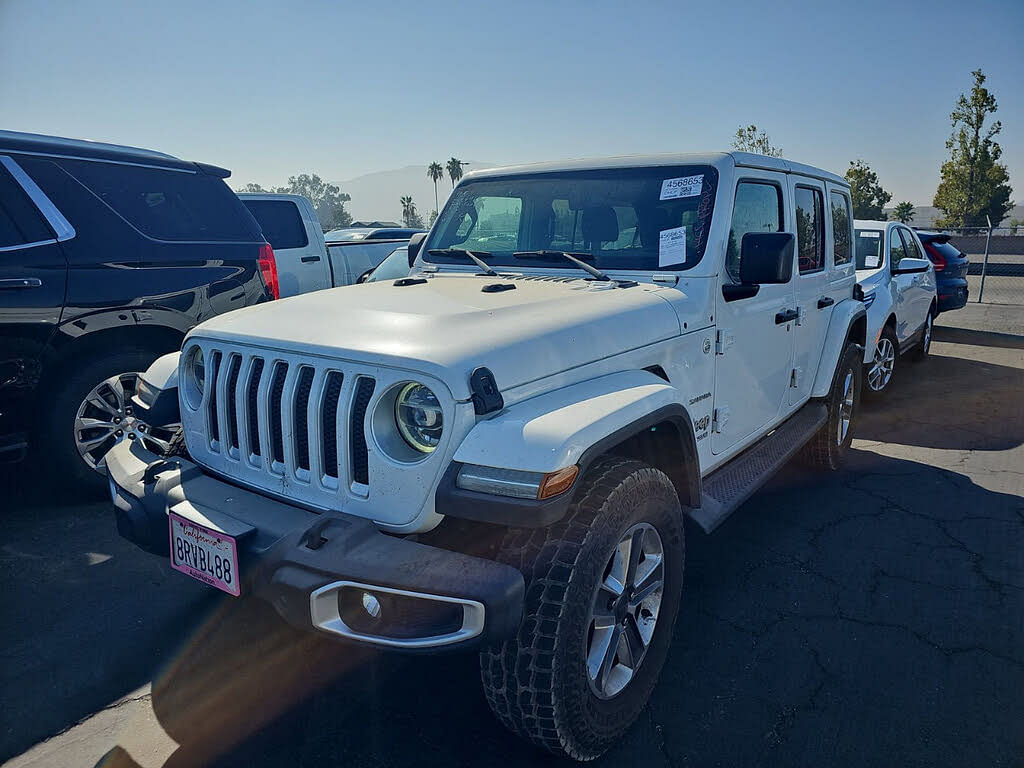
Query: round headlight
{"points": [[195, 376], [419, 417]]}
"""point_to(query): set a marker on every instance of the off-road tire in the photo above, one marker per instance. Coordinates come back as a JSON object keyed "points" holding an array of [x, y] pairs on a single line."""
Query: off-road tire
{"points": [[537, 683], [825, 450], [868, 392], [70, 386], [922, 350], [177, 445]]}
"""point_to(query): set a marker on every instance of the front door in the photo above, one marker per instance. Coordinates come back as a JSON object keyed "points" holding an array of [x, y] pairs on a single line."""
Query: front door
{"points": [[754, 348], [902, 287]]}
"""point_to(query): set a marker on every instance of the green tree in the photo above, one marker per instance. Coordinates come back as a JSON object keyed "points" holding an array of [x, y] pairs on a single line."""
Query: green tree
{"points": [[974, 183], [252, 187], [328, 200], [903, 212], [435, 172], [454, 167], [409, 214], [433, 217], [869, 198], [749, 139]]}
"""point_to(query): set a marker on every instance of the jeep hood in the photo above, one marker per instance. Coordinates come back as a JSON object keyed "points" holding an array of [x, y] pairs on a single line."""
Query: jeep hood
{"points": [[449, 326]]}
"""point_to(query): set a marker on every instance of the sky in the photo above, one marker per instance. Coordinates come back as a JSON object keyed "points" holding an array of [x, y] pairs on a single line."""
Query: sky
{"points": [[271, 89]]}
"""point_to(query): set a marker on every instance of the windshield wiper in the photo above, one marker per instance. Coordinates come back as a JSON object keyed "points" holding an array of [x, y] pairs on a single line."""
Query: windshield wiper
{"points": [[468, 254], [596, 273]]}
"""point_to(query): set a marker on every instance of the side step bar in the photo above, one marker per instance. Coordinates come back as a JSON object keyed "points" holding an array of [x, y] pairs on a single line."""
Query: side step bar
{"points": [[725, 489]]}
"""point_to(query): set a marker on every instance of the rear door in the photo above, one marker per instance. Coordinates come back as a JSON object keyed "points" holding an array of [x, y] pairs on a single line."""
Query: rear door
{"points": [[295, 235], [923, 284], [812, 283], [33, 280]]}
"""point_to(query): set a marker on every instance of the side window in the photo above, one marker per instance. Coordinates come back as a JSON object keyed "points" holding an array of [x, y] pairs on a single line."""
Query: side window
{"points": [[20, 222], [896, 249], [842, 253], [166, 204], [810, 229], [913, 251], [758, 208], [280, 221]]}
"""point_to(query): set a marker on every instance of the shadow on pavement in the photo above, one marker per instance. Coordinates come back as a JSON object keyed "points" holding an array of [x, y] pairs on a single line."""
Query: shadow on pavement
{"points": [[869, 617], [949, 403], [977, 338]]}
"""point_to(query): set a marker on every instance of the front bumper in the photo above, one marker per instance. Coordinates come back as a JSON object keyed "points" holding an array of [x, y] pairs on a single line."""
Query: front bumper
{"points": [[316, 569]]}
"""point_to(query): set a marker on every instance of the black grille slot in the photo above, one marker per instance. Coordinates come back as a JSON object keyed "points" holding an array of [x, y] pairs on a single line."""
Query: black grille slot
{"points": [[329, 423], [251, 409], [211, 405], [360, 459], [276, 392], [234, 366], [300, 417]]}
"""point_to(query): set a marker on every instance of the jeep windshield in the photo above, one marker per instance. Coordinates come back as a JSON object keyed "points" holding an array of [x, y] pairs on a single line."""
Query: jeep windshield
{"points": [[638, 219]]}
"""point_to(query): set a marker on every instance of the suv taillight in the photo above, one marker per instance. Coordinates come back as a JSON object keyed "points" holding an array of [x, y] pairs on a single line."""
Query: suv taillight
{"points": [[268, 270], [937, 258]]}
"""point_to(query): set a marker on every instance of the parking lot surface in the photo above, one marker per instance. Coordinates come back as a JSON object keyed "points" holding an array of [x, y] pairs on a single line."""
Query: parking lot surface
{"points": [[872, 617]]}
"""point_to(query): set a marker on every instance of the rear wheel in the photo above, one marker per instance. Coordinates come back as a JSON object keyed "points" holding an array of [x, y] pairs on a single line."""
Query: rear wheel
{"points": [[828, 448], [602, 595], [92, 412], [925, 347]]}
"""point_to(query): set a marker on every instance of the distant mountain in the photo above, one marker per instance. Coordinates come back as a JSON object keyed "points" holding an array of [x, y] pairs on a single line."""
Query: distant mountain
{"points": [[376, 195], [925, 215]]}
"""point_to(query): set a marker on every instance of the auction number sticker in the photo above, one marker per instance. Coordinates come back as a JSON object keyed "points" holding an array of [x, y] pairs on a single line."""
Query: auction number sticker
{"points": [[686, 186]]}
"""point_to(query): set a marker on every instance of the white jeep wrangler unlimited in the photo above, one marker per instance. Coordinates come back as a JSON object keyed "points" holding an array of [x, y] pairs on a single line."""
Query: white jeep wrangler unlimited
{"points": [[499, 451]]}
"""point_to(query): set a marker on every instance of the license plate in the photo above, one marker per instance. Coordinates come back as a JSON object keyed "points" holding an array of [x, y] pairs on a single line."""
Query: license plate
{"points": [[204, 554]]}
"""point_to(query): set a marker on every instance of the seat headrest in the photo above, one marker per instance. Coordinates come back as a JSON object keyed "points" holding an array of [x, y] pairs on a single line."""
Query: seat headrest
{"points": [[600, 224]]}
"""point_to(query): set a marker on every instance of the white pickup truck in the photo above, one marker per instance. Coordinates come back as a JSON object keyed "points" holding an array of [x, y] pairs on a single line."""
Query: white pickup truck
{"points": [[498, 451], [305, 261]]}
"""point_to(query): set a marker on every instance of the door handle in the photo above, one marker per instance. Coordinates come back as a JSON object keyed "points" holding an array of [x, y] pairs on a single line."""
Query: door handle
{"points": [[825, 301], [15, 283], [310, 259], [785, 316]]}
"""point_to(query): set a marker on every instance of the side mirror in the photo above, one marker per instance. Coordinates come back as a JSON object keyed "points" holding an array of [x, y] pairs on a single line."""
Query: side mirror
{"points": [[365, 276], [415, 243], [766, 257], [911, 266]]}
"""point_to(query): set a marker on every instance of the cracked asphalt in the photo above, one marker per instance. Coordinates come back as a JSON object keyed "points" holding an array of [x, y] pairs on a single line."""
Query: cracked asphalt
{"points": [[871, 617]]}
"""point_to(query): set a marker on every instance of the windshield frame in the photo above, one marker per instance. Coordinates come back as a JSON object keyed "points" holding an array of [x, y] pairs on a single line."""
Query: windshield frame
{"points": [[654, 174]]}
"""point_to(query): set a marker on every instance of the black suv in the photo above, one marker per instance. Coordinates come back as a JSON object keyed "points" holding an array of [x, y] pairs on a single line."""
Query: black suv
{"points": [[108, 256]]}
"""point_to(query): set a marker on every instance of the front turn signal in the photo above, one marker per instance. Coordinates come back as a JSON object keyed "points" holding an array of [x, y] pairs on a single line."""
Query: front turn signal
{"points": [[558, 482]]}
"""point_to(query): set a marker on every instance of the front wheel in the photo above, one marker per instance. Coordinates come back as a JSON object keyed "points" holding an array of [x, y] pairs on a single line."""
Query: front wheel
{"points": [[602, 595], [829, 446], [879, 372]]}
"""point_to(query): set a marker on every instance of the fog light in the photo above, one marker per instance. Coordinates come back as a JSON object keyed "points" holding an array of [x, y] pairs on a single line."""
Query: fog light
{"points": [[371, 605]]}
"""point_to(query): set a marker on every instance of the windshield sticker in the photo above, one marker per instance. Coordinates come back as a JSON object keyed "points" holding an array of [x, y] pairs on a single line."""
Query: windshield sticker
{"points": [[871, 261], [869, 234], [687, 186], [672, 246]]}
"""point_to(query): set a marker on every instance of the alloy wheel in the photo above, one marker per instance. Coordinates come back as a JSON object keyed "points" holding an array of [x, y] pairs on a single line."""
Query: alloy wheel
{"points": [[880, 373], [926, 343], [625, 610], [845, 409], [107, 417]]}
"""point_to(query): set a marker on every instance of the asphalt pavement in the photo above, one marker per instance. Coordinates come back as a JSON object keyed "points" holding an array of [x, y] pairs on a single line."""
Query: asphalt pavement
{"points": [[870, 617]]}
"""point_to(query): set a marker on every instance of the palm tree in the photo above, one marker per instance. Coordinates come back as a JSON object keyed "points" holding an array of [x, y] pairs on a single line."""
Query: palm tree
{"points": [[454, 167], [408, 208], [435, 172]]}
